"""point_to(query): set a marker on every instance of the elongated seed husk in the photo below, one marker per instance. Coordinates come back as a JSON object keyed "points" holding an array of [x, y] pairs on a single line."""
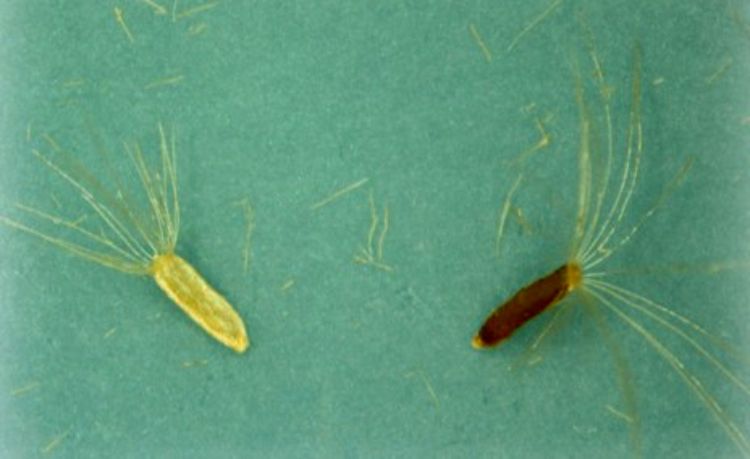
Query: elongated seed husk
{"points": [[187, 288]]}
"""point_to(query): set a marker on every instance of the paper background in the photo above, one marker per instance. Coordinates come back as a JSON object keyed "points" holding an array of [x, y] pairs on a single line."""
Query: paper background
{"points": [[283, 103]]}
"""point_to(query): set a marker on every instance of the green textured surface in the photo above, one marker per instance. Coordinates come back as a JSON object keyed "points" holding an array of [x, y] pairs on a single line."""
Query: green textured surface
{"points": [[285, 102]]}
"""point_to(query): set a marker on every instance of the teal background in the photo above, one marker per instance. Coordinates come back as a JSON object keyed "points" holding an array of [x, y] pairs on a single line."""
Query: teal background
{"points": [[285, 102]]}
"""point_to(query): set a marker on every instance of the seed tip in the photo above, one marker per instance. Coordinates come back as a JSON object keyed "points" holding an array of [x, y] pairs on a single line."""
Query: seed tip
{"points": [[241, 345], [478, 343]]}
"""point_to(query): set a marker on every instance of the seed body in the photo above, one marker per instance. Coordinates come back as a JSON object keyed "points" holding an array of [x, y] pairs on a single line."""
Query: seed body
{"points": [[528, 303], [187, 288]]}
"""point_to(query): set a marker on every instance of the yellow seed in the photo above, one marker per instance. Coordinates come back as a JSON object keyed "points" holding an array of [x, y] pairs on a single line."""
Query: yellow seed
{"points": [[136, 240], [187, 288]]}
